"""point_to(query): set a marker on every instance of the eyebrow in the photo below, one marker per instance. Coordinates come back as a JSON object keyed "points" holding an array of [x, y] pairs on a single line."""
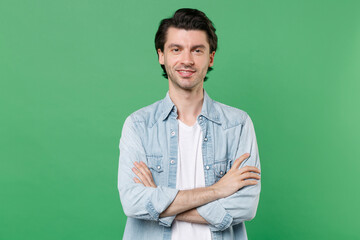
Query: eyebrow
{"points": [[193, 47]]}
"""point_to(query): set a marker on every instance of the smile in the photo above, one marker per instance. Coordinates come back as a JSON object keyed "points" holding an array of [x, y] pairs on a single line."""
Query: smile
{"points": [[185, 73]]}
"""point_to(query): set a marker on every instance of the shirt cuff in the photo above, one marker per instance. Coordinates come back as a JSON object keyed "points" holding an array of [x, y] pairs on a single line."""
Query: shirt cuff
{"points": [[217, 217], [167, 221], [159, 201]]}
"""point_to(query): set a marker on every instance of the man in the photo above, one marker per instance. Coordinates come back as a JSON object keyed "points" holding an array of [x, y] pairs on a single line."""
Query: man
{"points": [[189, 166]]}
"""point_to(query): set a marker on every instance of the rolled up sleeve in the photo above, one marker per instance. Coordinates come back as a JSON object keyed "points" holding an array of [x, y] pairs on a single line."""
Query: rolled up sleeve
{"points": [[242, 205], [137, 200]]}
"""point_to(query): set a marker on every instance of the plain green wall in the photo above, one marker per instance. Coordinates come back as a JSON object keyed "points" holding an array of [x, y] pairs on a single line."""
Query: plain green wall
{"points": [[72, 71]]}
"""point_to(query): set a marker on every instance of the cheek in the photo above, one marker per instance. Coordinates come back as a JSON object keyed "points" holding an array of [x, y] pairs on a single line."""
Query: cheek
{"points": [[170, 61], [202, 60], [205, 63]]}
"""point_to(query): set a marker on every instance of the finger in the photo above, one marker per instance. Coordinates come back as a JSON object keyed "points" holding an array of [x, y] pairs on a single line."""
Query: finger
{"points": [[250, 175], [141, 176], [144, 171], [137, 173], [240, 160], [144, 174], [249, 169], [147, 170], [149, 175], [137, 180], [250, 182], [145, 167]]}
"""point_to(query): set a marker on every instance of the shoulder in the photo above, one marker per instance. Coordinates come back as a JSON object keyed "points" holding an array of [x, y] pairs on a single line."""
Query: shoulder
{"points": [[147, 115], [230, 116]]}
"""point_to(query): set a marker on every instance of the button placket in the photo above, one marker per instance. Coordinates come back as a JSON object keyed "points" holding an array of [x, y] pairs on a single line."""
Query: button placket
{"points": [[173, 153]]}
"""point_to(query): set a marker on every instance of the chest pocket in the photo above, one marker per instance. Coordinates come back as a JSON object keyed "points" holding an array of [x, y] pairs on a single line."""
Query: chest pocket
{"points": [[220, 168], [155, 164]]}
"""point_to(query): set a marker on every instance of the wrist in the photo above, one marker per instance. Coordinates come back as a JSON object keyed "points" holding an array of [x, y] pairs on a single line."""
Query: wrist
{"points": [[214, 191], [179, 216]]}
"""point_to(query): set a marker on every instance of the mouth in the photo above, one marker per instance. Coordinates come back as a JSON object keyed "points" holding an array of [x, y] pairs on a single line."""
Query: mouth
{"points": [[185, 73]]}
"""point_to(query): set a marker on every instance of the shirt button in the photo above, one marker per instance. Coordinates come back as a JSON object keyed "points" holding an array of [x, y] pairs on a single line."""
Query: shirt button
{"points": [[200, 117], [205, 139], [172, 133], [207, 167], [172, 161], [221, 172], [158, 167]]}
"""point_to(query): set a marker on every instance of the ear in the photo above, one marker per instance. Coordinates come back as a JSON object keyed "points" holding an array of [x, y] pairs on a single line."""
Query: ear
{"points": [[161, 56], [212, 55]]}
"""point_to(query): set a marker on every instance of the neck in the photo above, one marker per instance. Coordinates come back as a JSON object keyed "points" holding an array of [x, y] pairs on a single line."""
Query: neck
{"points": [[188, 103]]}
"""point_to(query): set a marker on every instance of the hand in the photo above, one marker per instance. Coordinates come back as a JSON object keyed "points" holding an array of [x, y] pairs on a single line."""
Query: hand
{"points": [[143, 173], [236, 178]]}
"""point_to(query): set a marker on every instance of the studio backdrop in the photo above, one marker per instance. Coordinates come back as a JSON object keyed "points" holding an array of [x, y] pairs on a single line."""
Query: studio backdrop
{"points": [[72, 71]]}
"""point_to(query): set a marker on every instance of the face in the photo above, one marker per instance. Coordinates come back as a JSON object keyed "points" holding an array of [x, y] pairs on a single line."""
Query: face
{"points": [[186, 57]]}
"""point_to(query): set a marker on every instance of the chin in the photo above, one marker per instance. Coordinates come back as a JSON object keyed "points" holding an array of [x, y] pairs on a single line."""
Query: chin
{"points": [[185, 83], [188, 85]]}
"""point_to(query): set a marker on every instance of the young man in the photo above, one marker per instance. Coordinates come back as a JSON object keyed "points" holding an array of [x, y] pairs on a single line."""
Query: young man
{"points": [[189, 166]]}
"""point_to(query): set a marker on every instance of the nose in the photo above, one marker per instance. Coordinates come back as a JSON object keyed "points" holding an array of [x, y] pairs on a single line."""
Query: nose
{"points": [[187, 58]]}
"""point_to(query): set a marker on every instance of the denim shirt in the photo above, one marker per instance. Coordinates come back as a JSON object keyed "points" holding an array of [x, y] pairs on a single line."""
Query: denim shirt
{"points": [[151, 135]]}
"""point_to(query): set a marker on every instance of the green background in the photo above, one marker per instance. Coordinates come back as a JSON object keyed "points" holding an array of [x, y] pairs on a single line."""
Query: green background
{"points": [[72, 71]]}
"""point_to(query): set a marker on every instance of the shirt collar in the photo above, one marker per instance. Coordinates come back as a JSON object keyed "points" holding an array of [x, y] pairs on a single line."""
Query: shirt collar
{"points": [[208, 110]]}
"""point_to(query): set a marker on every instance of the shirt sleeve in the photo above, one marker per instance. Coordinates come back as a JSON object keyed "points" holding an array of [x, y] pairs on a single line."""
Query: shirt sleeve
{"points": [[242, 205], [137, 200]]}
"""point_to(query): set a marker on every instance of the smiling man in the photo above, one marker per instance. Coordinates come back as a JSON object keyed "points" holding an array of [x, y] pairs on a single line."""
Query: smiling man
{"points": [[189, 166]]}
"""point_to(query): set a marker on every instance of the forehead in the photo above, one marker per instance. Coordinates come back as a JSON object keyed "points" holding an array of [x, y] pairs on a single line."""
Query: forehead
{"points": [[186, 37]]}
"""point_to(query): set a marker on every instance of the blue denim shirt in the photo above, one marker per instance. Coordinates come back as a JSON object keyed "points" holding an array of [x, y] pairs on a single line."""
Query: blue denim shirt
{"points": [[151, 135]]}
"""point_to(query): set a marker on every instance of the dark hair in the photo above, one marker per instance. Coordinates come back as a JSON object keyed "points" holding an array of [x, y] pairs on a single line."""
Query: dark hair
{"points": [[188, 19]]}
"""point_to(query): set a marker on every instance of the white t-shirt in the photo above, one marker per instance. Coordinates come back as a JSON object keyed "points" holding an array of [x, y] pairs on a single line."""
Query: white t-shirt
{"points": [[190, 175]]}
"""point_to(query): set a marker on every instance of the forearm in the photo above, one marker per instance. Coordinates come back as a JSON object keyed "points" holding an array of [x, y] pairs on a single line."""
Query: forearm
{"points": [[234, 180], [191, 216], [189, 199], [137, 200], [242, 205], [231, 210]]}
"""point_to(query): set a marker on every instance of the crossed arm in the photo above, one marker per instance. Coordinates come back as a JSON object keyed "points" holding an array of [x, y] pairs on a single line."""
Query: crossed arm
{"points": [[233, 199], [186, 201]]}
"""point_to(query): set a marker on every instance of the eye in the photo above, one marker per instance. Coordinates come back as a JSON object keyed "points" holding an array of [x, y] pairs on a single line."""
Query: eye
{"points": [[198, 50], [175, 50]]}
